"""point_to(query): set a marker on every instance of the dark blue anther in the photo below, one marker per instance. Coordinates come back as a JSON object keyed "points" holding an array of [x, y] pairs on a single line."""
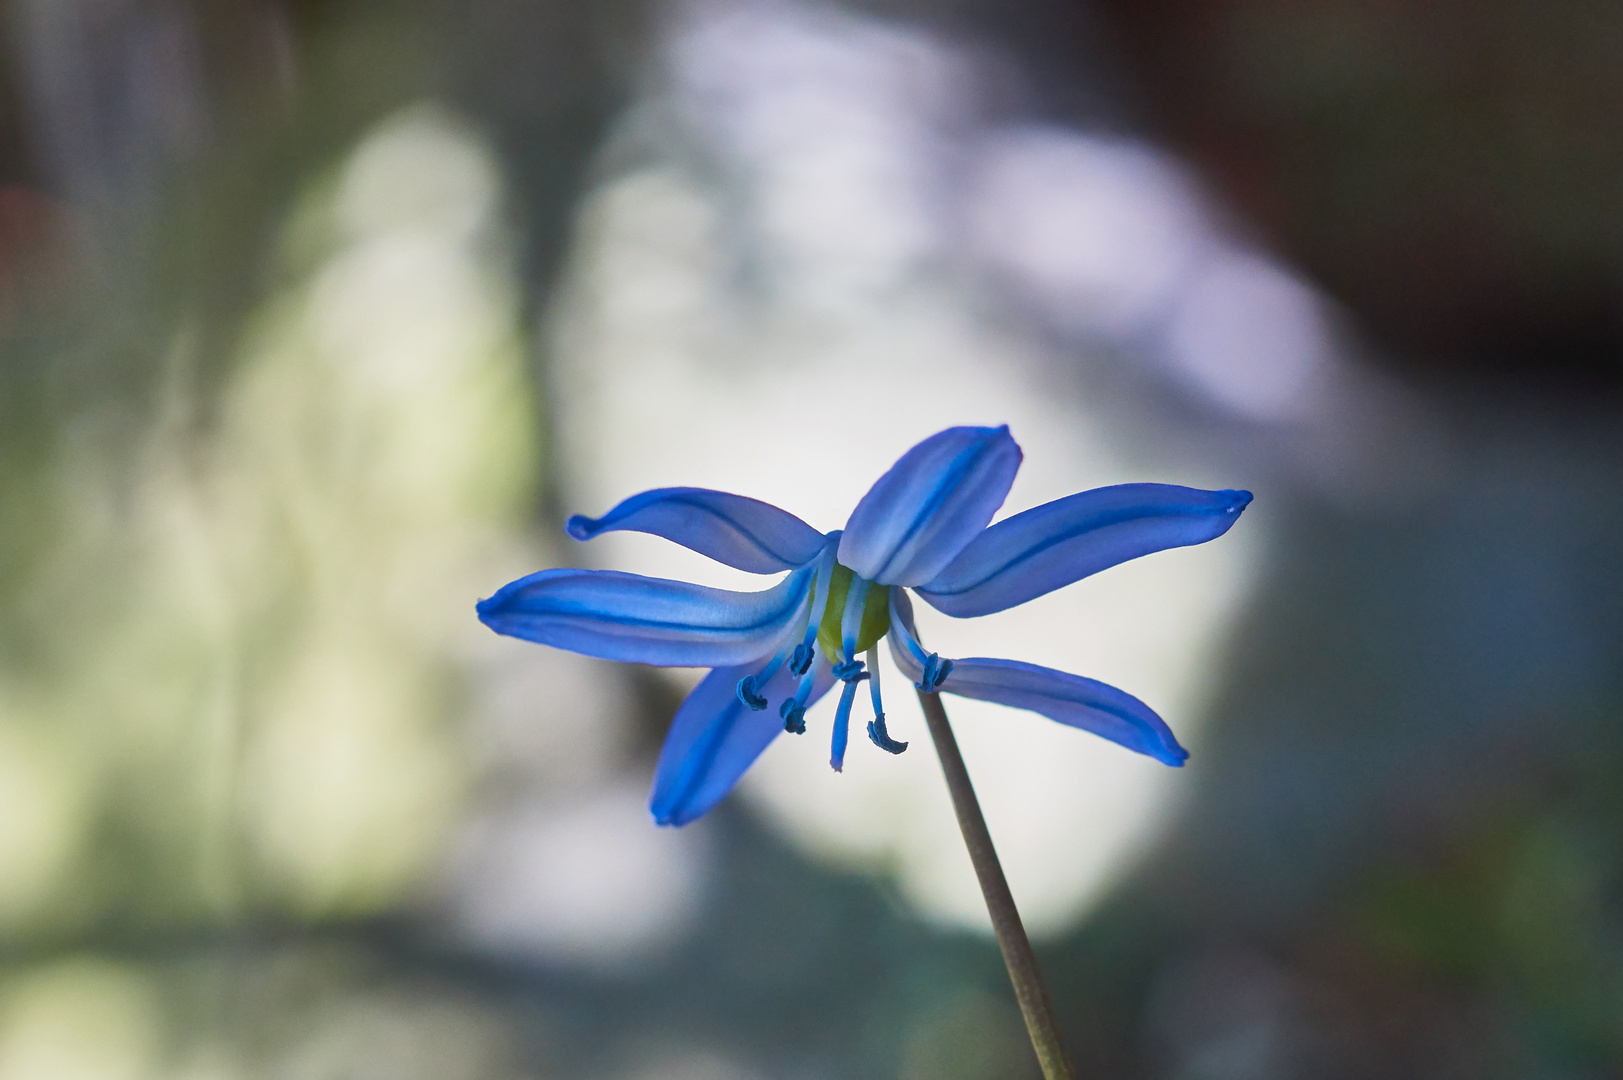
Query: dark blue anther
{"points": [[881, 738], [800, 661], [850, 671], [794, 717], [935, 673], [747, 694]]}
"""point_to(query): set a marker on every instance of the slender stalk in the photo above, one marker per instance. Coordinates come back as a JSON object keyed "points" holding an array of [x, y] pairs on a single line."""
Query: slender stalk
{"points": [[1011, 935]]}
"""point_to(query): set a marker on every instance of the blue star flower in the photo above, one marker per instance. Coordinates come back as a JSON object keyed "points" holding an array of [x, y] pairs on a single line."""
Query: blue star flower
{"points": [[922, 527]]}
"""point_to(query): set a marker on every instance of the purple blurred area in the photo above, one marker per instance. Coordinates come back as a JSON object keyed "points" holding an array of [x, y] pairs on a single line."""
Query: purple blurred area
{"points": [[318, 316]]}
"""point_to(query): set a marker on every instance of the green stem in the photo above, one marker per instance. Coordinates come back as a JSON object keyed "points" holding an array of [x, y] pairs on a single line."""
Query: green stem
{"points": [[1011, 935]]}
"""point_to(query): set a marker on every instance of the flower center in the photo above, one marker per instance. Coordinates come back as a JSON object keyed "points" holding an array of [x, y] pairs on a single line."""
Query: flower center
{"points": [[875, 615]]}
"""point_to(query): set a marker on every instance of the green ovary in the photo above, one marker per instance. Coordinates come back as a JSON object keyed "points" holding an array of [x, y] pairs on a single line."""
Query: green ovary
{"points": [[875, 616]]}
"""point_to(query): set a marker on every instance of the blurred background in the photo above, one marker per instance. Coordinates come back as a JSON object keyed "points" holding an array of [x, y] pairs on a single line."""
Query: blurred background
{"points": [[317, 317]]}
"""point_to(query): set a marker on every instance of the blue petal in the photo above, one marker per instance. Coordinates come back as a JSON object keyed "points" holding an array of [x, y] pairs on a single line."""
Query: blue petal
{"points": [[648, 620], [1070, 699], [931, 503], [742, 532], [1037, 551], [714, 738]]}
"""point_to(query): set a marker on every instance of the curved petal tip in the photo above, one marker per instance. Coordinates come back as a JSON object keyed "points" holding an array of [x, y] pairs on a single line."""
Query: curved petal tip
{"points": [[734, 529], [1052, 545], [615, 616]]}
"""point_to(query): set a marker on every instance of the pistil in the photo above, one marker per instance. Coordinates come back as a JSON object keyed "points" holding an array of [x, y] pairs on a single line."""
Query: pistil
{"points": [[876, 727], [851, 673]]}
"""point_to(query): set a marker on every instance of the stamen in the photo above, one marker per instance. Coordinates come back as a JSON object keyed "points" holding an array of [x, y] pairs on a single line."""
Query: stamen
{"points": [[793, 710], [793, 715], [819, 604], [881, 738], [873, 687], [935, 668], [801, 660], [748, 695], [856, 603], [876, 727], [936, 671], [900, 611], [849, 671], [750, 686]]}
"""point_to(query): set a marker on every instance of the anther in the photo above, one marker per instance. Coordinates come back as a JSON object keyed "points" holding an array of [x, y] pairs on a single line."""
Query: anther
{"points": [[747, 694], [881, 738], [801, 660], [935, 673], [793, 716], [850, 671]]}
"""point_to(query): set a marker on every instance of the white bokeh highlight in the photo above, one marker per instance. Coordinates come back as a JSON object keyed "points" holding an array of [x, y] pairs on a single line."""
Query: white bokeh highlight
{"points": [[588, 882], [1251, 336], [1100, 232], [828, 131]]}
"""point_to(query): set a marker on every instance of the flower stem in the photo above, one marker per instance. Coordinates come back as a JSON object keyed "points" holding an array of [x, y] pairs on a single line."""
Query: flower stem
{"points": [[1011, 935]]}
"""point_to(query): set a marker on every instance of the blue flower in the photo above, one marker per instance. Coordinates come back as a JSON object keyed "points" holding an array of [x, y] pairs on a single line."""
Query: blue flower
{"points": [[922, 527]]}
